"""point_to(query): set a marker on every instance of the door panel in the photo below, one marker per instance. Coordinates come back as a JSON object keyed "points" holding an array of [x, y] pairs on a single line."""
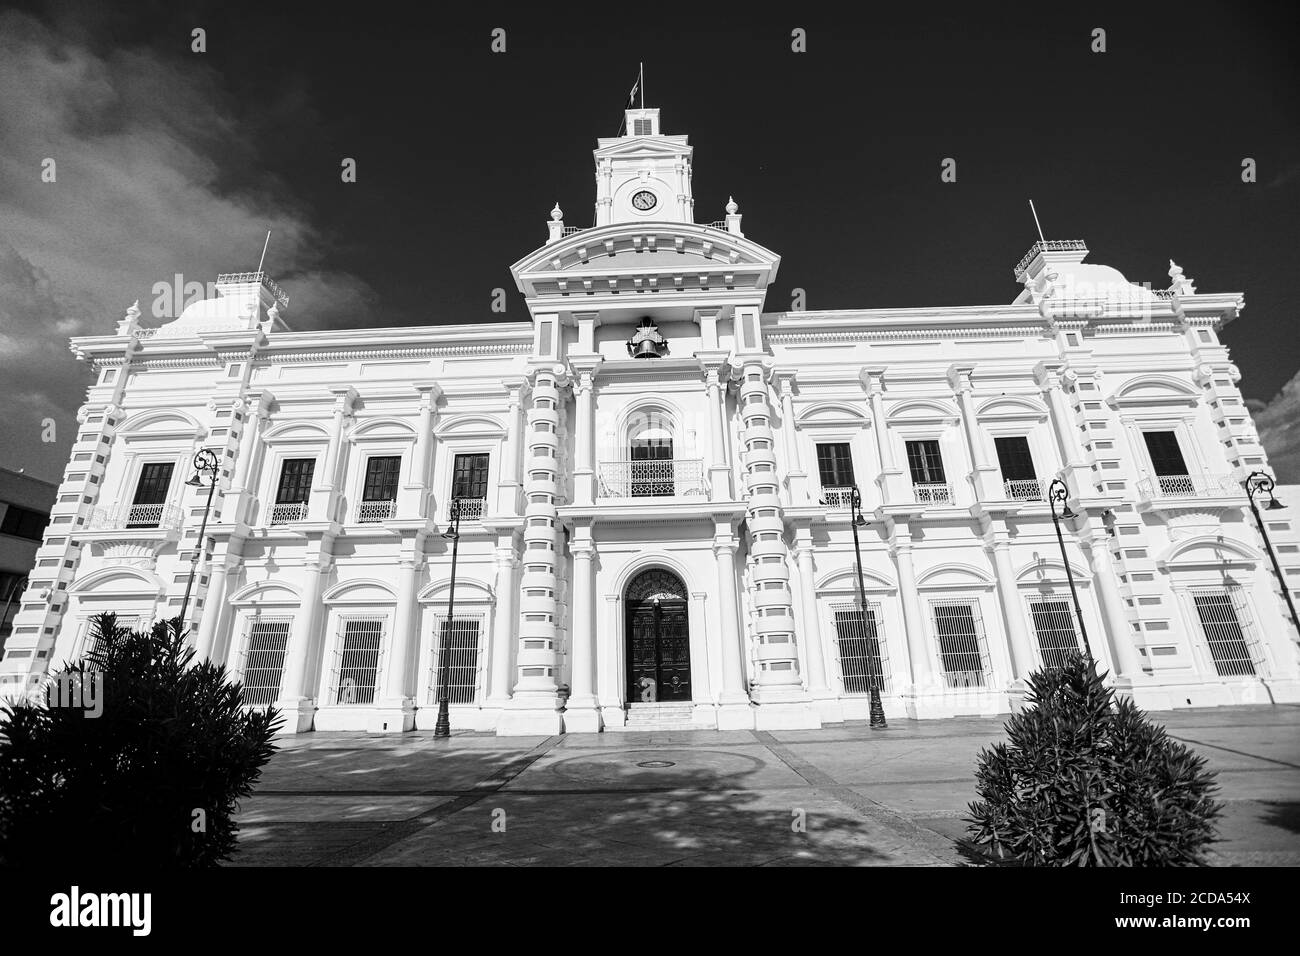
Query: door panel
{"points": [[659, 652]]}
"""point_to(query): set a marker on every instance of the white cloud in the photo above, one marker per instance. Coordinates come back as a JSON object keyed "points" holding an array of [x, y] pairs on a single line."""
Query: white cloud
{"points": [[1278, 423], [145, 150]]}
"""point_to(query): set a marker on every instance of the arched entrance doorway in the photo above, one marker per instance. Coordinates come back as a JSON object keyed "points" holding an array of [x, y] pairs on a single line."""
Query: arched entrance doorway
{"points": [[658, 638]]}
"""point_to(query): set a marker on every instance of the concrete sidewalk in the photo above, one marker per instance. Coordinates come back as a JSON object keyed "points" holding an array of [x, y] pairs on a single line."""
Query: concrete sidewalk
{"points": [[842, 795]]}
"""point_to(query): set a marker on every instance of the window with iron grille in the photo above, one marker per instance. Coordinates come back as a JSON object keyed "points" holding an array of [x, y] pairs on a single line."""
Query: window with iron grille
{"points": [[1054, 626], [91, 640], [1166, 456], [295, 481], [381, 478], [264, 660], [957, 630], [835, 464], [461, 660], [1221, 614], [469, 476], [1014, 458], [357, 669], [925, 462], [862, 654]]}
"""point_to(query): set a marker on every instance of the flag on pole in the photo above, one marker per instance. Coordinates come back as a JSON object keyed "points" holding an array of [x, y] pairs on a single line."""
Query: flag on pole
{"points": [[631, 97]]}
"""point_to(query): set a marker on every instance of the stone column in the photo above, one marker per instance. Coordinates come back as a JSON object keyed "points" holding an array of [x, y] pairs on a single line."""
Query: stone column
{"points": [[1063, 427], [894, 489], [1127, 662], [398, 703], [733, 693], [240, 494], [818, 682], [296, 700], [918, 647], [508, 483], [983, 475], [581, 714], [418, 481], [1023, 660], [214, 607], [584, 471], [610, 680], [796, 476], [325, 496], [719, 468], [504, 621]]}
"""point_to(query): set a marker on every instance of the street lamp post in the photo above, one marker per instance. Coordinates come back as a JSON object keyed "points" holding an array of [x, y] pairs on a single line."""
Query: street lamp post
{"points": [[442, 728], [204, 461], [1257, 482], [1057, 491], [877, 711]]}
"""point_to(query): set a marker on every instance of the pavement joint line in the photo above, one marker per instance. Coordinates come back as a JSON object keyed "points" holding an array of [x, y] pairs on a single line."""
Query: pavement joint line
{"points": [[1239, 753], [931, 842], [391, 833]]}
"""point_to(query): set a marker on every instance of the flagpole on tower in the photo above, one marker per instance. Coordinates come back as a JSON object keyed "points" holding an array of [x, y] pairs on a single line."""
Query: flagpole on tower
{"points": [[641, 82], [264, 245], [1040, 228]]}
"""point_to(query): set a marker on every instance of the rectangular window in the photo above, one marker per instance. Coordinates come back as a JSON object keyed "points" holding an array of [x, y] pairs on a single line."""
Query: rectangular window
{"points": [[295, 481], [381, 478], [862, 657], [91, 641], [150, 495], [264, 661], [1054, 625], [1224, 634], [956, 627], [925, 463], [1166, 456], [461, 660], [835, 464], [1014, 458], [24, 523], [469, 476], [640, 127], [649, 477], [358, 661]]}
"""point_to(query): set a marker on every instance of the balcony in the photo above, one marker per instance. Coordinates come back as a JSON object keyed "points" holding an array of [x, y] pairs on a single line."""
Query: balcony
{"points": [[838, 499], [933, 493], [1165, 487], [373, 512], [160, 517], [665, 478], [1025, 489], [288, 513], [471, 509]]}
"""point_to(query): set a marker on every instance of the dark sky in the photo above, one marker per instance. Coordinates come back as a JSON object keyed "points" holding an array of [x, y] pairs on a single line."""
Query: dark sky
{"points": [[833, 154]]}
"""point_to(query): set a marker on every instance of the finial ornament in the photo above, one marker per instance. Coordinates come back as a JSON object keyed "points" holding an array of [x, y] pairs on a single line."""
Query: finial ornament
{"points": [[557, 213], [133, 313], [731, 206], [1179, 283]]}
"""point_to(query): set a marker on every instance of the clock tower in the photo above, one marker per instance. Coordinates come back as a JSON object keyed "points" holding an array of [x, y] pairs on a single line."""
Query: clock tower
{"points": [[643, 175]]}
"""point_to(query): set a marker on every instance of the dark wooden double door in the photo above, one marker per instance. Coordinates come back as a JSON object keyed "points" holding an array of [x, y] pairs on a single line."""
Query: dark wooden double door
{"points": [[658, 651]]}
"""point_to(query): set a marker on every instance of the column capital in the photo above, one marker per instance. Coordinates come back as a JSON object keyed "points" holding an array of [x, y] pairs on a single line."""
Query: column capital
{"points": [[785, 381], [959, 378], [725, 544], [872, 379], [429, 391], [1047, 374], [345, 396]]}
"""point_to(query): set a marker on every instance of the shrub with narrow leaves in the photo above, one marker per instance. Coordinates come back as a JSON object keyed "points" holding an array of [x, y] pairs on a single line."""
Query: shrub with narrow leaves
{"points": [[154, 780], [1084, 780]]}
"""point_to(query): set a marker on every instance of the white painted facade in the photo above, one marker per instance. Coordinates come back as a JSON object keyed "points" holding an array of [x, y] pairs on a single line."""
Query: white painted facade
{"points": [[340, 598]]}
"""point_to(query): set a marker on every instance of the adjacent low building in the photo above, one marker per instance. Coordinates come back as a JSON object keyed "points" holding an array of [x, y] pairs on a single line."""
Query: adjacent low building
{"points": [[24, 512], [658, 484]]}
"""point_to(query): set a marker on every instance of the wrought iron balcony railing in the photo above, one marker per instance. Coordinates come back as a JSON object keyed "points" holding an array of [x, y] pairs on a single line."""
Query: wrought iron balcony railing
{"points": [[373, 512], [471, 509], [163, 517], [1025, 489], [288, 513], [1189, 486], [663, 478], [838, 499], [933, 493]]}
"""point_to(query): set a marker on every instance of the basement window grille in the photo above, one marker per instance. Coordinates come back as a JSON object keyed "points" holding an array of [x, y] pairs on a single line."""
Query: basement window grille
{"points": [[1223, 621], [863, 656], [268, 640], [958, 631], [356, 668], [1054, 625], [462, 660]]}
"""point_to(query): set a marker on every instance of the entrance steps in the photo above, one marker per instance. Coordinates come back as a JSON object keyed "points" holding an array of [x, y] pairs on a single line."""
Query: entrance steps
{"points": [[644, 716]]}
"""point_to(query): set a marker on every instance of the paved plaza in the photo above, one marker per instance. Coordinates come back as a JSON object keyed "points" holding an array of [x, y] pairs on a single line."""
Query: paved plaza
{"points": [[843, 795]]}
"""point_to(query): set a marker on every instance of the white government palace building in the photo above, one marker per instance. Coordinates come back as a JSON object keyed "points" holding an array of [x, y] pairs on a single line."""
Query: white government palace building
{"points": [[655, 478]]}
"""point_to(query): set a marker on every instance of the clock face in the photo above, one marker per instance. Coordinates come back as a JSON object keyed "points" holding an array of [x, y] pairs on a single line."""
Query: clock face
{"points": [[644, 200]]}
